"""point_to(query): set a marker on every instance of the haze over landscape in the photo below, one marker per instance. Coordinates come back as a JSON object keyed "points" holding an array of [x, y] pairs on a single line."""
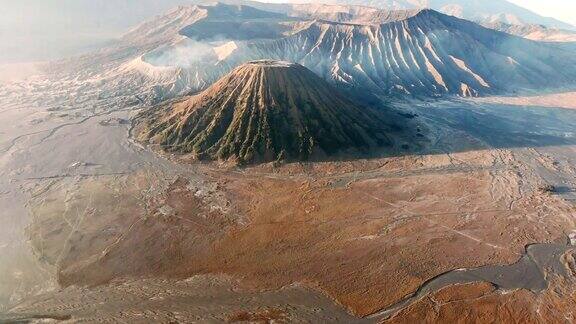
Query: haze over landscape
{"points": [[238, 161], [40, 30], [558, 9]]}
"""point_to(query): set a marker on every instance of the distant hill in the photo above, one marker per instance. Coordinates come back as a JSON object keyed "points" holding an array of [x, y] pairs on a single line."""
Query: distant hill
{"points": [[476, 10], [534, 32], [266, 111]]}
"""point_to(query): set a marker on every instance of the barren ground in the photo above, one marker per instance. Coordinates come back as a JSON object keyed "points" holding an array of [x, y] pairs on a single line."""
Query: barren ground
{"points": [[554, 100], [144, 237]]}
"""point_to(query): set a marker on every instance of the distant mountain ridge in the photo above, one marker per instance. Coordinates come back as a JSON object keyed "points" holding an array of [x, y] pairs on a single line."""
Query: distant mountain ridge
{"points": [[475, 10], [534, 32], [44, 26], [415, 52]]}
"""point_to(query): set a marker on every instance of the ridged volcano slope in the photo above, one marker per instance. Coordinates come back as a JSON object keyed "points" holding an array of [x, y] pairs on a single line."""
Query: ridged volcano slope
{"points": [[265, 111], [427, 54], [417, 53]]}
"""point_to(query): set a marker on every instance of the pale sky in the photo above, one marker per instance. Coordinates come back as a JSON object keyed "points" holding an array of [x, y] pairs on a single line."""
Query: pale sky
{"points": [[560, 9]]}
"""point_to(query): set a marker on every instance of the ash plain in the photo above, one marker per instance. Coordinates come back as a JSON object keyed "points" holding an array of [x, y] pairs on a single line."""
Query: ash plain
{"points": [[333, 241]]}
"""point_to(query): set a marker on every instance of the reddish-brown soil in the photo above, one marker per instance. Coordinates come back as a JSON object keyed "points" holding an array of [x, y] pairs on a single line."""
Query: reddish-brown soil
{"points": [[366, 238], [481, 303]]}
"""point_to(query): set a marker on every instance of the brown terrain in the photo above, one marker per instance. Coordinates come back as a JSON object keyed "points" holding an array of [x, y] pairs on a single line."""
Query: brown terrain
{"points": [[481, 303], [459, 228], [276, 196], [367, 234]]}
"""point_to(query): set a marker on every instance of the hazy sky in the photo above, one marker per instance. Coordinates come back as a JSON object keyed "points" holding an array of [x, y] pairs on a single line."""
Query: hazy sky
{"points": [[560, 9], [40, 29]]}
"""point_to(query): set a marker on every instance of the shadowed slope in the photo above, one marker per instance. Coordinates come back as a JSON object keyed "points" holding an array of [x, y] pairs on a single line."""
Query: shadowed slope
{"points": [[264, 111]]}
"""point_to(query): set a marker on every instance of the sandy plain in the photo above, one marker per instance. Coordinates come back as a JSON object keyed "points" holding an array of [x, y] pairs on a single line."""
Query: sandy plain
{"points": [[96, 217]]}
